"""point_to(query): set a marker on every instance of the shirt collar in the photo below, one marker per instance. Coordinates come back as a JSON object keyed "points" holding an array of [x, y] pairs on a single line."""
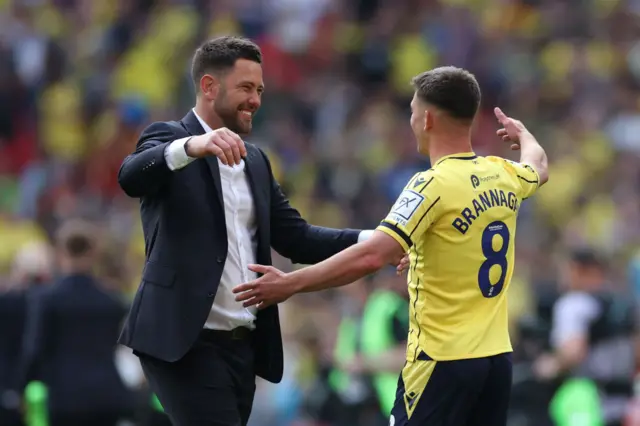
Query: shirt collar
{"points": [[458, 156], [204, 125]]}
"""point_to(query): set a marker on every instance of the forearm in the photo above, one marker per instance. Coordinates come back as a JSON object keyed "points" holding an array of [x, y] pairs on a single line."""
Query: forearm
{"points": [[344, 268], [533, 154]]}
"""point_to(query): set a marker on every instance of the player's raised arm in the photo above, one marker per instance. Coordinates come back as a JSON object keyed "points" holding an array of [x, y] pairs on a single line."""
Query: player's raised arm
{"points": [[531, 153]]}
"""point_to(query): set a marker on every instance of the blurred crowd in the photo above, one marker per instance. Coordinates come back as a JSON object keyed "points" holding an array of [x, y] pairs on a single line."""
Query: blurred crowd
{"points": [[80, 79]]}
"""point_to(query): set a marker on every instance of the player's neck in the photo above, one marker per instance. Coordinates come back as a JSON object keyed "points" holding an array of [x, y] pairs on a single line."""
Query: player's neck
{"points": [[207, 115], [450, 146]]}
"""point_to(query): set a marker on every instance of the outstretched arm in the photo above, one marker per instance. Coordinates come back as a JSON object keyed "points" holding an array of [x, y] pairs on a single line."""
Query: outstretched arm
{"points": [[341, 269]]}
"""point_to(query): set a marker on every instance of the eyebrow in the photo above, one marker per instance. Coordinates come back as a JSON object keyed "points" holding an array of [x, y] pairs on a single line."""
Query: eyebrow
{"points": [[250, 83]]}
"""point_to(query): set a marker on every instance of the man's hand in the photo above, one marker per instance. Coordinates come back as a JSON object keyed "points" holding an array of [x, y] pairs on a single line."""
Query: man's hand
{"points": [[403, 265], [271, 288], [222, 143], [512, 129]]}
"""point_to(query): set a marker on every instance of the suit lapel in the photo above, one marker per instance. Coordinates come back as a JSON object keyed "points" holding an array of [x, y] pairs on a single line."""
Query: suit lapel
{"points": [[192, 126], [258, 181]]}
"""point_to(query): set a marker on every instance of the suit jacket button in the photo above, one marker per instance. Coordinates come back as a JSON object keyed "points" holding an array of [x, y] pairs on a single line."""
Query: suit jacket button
{"points": [[220, 259], [210, 295]]}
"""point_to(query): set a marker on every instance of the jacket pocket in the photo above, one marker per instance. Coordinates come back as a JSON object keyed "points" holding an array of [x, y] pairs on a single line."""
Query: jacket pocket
{"points": [[155, 273]]}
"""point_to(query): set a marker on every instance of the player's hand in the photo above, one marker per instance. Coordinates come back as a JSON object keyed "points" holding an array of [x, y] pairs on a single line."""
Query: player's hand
{"points": [[512, 130], [222, 143], [403, 265], [272, 287]]}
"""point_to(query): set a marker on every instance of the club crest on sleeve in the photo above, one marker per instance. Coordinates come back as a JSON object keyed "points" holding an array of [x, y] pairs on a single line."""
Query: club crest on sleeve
{"points": [[407, 204]]}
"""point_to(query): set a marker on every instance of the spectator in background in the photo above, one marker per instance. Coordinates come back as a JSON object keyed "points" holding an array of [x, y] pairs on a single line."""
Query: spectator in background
{"points": [[352, 398], [383, 346], [32, 268], [591, 326], [71, 334]]}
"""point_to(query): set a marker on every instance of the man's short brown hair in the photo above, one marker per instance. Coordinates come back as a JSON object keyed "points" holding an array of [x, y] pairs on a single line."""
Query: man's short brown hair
{"points": [[220, 54], [451, 89]]}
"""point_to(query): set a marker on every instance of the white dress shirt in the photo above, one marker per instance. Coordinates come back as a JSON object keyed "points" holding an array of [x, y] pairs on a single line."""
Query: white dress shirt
{"points": [[240, 219]]}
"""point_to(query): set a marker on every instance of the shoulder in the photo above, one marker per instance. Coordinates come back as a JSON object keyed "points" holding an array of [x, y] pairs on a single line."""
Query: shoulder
{"points": [[423, 181], [257, 155], [577, 305], [163, 131], [502, 161], [42, 295], [253, 149], [510, 165]]}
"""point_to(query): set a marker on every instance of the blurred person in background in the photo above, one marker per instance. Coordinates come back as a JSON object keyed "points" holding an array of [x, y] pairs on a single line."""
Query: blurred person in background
{"points": [[592, 334], [352, 398], [70, 337], [383, 341], [32, 269]]}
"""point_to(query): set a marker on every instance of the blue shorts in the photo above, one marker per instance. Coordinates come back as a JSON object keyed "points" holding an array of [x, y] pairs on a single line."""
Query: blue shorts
{"points": [[468, 392]]}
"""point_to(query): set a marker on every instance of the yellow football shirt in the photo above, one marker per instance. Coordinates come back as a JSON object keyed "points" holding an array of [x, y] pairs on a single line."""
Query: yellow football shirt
{"points": [[458, 219]]}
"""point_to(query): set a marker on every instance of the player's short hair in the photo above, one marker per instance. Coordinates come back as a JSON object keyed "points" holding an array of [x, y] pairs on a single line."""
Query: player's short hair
{"points": [[77, 238], [220, 54], [453, 90]]}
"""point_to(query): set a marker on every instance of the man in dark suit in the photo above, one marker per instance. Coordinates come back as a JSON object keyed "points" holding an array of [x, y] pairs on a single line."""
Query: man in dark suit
{"points": [[69, 341], [210, 207]]}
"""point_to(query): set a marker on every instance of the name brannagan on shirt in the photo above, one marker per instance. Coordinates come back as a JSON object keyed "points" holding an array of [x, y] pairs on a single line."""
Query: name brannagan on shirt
{"points": [[458, 222]]}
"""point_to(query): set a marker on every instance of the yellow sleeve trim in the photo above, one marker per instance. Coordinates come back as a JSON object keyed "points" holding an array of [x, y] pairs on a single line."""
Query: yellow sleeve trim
{"points": [[534, 171], [396, 233]]}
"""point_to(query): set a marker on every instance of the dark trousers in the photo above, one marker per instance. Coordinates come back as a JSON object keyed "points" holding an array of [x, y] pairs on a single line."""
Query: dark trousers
{"points": [[10, 417], [97, 419], [212, 385]]}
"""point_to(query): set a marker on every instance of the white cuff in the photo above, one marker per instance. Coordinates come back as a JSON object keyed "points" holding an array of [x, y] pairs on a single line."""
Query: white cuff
{"points": [[176, 156], [365, 235]]}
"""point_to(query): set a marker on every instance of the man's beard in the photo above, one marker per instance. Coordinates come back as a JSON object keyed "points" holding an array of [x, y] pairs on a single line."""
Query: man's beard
{"points": [[230, 117]]}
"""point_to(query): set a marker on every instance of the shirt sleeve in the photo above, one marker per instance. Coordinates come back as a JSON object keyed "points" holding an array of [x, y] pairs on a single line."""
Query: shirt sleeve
{"points": [[414, 211], [573, 314], [527, 176], [176, 156]]}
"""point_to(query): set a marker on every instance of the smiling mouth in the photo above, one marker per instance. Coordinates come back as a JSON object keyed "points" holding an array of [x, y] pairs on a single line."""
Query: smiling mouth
{"points": [[246, 114]]}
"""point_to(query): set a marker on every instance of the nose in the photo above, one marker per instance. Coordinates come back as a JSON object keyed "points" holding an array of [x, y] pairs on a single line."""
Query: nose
{"points": [[255, 101]]}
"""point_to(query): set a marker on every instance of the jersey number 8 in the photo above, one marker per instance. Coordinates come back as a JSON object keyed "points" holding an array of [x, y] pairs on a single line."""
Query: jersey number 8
{"points": [[493, 258]]}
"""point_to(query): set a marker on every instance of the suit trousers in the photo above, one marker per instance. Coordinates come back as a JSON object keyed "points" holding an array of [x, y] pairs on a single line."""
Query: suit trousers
{"points": [[212, 385], [95, 419]]}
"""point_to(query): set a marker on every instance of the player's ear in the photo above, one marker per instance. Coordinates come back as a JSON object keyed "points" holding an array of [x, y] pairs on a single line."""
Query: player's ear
{"points": [[428, 120], [209, 87]]}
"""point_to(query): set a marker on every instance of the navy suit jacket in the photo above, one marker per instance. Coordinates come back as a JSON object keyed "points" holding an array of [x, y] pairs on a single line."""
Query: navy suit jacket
{"points": [[186, 245], [69, 344]]}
